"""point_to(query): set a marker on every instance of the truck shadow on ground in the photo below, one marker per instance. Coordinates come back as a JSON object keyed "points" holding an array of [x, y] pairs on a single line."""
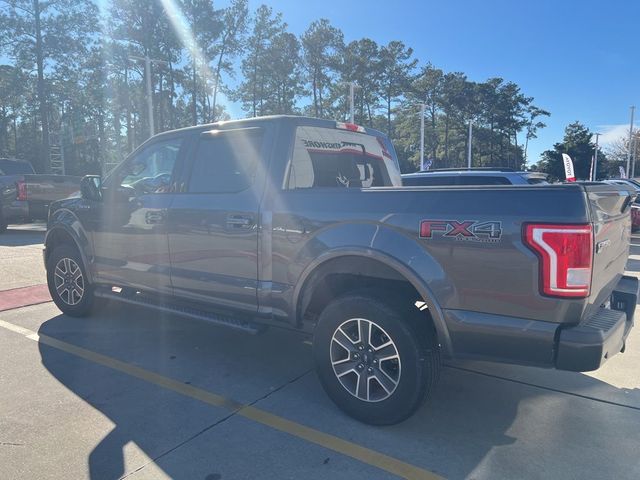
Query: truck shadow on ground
{"points": [[467, 429]]}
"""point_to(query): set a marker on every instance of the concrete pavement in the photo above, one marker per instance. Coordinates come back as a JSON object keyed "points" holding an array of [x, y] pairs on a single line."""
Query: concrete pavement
{"points": [[69, 414]]}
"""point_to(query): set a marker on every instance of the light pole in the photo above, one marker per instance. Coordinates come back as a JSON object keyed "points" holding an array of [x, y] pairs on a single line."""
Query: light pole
{"points": [[422, 108], [147, 73], [352, 94], [469, 150], [633, 108], [595, 160], [634, 152]]}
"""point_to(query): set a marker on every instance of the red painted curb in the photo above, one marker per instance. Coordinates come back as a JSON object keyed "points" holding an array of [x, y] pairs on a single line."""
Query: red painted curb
{"points": [[23, 297]]}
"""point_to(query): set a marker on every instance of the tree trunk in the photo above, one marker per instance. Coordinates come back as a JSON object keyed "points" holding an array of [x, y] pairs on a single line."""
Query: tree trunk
{"points": [[320, 101], [389, 115], [42, 100], [435, 136], [217, 81], [172, 86], [160, 104], [446, 140], [128, 103], [194, 95], [15, 134]]}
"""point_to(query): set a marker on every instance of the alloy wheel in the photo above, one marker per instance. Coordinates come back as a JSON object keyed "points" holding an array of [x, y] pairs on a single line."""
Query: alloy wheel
{"points": [[69, 281], [365, 360]]}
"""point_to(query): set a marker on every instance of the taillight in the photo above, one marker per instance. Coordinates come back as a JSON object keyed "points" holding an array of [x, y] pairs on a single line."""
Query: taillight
{"points": [[566, 254], [22, 190]]}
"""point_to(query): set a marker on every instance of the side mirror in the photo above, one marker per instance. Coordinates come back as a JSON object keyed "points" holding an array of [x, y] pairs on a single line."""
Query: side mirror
{"points": [[91, 187]]}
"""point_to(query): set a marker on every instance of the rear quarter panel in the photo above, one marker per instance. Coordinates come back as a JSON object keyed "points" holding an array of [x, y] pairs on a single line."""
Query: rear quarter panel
{"points": [[498, 278]]}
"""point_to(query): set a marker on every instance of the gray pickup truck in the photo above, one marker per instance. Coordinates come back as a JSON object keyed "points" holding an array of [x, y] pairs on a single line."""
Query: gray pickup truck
{"points": [[303, 223], [25, 196]]}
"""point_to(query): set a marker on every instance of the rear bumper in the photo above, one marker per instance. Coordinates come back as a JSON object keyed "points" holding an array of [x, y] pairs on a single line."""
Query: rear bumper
{"points": [[582, 348], [588, 345], [17, 210]]}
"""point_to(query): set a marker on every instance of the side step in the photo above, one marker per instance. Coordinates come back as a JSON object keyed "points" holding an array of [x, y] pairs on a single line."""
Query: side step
{"points": [[141, 300]]}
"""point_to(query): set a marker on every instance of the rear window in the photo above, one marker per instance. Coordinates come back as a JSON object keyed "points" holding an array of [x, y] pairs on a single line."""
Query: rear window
{"points": [[11, 167], [332, 158]]}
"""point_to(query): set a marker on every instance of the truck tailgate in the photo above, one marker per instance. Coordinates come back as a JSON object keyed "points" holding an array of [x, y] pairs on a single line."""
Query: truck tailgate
{"points": [[610, 207], [44, 189]]}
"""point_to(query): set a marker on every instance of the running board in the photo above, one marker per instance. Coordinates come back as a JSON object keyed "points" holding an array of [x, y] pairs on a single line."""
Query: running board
{"points": [[189, 312]]}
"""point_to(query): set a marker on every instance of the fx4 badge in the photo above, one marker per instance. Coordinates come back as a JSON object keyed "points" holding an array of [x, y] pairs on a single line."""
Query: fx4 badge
{"points": [[469, 230]]}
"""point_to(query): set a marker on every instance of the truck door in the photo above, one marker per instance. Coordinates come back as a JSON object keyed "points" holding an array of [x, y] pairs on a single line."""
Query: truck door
{"points": [[129, 227], [214, 221]]}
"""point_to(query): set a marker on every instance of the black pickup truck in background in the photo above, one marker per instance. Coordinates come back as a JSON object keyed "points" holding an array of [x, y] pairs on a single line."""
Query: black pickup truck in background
{"points": [[25, 196], [304, 224]]}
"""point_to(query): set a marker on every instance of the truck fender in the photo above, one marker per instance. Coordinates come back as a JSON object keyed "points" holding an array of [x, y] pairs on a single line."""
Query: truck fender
{"points": [[402, 268], [64, 223]]}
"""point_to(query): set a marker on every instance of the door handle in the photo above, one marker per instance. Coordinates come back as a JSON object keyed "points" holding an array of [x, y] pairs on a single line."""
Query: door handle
{"points": [[240, 221], [154, 218]]}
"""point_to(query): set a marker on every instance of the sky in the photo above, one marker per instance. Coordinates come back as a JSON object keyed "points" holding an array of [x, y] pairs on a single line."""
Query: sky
{"points": [[578, 59]]}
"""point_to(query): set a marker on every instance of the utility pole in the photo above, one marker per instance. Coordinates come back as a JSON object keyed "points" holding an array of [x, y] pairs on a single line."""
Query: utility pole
{"points": [[352, 94], [595, 160], [633, 108], [422, 108], [470, 138], [634, 151], [147, 73]]}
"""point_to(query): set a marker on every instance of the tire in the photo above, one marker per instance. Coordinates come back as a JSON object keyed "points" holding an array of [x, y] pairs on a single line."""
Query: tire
{"points": [[3, 224], [67, 281], [400, 364]]}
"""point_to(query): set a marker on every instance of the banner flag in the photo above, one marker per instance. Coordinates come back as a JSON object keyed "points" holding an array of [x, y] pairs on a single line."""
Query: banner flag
{"points": [[568, 168]]}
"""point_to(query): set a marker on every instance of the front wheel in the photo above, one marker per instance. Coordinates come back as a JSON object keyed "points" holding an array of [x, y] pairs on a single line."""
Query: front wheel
{"points": [[378, 362], [67, 281]]}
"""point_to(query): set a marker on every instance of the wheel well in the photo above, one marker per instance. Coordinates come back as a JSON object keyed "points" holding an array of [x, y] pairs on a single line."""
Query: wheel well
{"points": [[55, 238], [340, 276]]}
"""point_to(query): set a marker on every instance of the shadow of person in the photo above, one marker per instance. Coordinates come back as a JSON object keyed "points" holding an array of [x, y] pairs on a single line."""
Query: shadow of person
{"points": [[477, 424]]}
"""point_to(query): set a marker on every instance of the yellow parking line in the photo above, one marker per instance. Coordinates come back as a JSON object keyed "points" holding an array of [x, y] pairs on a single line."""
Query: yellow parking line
{"points": [[331, 442]]}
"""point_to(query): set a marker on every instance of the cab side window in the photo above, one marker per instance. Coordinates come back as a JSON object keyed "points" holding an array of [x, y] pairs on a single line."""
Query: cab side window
{"points": [[151, 170], [226, 162]]}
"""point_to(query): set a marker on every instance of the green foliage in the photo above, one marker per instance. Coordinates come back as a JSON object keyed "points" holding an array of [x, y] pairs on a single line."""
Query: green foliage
{"points": [[77, 79], [577, 144]]}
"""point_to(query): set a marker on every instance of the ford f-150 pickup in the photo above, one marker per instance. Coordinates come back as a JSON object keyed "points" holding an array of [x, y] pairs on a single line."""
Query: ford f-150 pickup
{"points": [[25, 196], [304, 224]]}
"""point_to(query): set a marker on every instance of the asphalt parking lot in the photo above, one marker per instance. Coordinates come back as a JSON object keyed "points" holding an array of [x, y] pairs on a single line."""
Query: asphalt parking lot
{"points": [[132, 394]]}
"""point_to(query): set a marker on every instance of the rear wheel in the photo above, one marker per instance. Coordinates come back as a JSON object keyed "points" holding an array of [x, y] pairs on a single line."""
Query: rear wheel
{"points": [[377, 361], [68, 283]]}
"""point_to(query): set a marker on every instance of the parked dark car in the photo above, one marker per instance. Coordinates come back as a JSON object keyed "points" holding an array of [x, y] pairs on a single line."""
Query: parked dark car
{"points": [[304, 224], [473, 176], [25, 196]]}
